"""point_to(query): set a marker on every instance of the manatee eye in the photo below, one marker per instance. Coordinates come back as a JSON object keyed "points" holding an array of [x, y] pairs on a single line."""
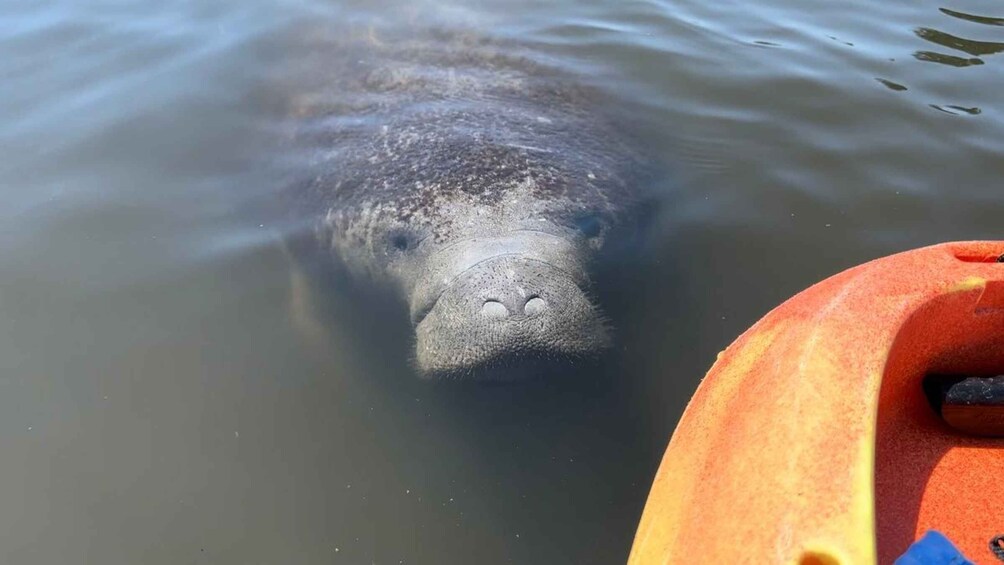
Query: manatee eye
{"points": [[401, 241], [589, 225]]}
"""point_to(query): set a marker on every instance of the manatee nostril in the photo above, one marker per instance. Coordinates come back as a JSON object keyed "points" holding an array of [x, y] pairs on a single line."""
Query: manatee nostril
{"points": [[534, 306], [494, 309]]}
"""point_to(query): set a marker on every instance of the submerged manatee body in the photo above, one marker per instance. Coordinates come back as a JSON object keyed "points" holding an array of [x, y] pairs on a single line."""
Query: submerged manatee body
{"points": [[477, 182]]}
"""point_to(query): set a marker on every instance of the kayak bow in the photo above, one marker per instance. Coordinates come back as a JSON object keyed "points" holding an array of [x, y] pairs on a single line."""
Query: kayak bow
{"points": [[829, 432]]}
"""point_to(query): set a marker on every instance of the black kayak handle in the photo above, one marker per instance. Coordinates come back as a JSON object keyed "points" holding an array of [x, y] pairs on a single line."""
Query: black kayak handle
{"points": [[969, 404]]}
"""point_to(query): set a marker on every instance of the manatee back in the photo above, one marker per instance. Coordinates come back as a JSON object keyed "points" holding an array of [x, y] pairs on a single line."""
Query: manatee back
{"points": [[412, 116]]}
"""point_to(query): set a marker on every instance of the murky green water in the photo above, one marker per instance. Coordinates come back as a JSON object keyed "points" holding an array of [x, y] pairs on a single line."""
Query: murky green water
{"points": [[157, 406]]}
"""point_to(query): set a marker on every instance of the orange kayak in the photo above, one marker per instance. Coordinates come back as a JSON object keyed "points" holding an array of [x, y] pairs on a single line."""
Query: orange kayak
{"points": [[816, 437]]}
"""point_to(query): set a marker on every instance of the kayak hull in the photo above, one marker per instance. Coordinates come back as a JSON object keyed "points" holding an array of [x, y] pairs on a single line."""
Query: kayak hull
{"points": [[811, 439]]}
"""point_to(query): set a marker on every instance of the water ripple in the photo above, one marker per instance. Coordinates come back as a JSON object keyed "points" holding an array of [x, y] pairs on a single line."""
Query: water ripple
{"points": [[973, 18], [950, 60], [969, 46]]}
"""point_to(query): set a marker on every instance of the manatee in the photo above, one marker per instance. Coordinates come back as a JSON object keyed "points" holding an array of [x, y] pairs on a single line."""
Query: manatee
{"points": [[477, 182]]}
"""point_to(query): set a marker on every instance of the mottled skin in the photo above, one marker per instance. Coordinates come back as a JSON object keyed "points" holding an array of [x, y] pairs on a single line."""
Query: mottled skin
{"points": [[475, 181]]}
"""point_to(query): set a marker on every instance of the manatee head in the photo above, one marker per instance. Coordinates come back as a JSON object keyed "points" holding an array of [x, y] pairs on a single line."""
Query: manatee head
{"points": [[478, 182], [497, 284]]}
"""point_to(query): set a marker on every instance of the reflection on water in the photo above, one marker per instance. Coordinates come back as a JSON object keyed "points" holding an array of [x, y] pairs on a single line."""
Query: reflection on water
{"points": [[965, 45], [969, 46], [973, 18], [952, 60], [952, 109], [973, 47], [157, 405], [891, 85]]}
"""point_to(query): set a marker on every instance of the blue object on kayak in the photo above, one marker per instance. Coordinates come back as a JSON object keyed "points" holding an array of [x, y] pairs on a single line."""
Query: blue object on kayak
{"points": [[933, 549]]}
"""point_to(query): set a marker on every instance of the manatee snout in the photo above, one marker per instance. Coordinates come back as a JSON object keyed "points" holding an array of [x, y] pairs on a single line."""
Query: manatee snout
{"points": [[509, 317]]}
